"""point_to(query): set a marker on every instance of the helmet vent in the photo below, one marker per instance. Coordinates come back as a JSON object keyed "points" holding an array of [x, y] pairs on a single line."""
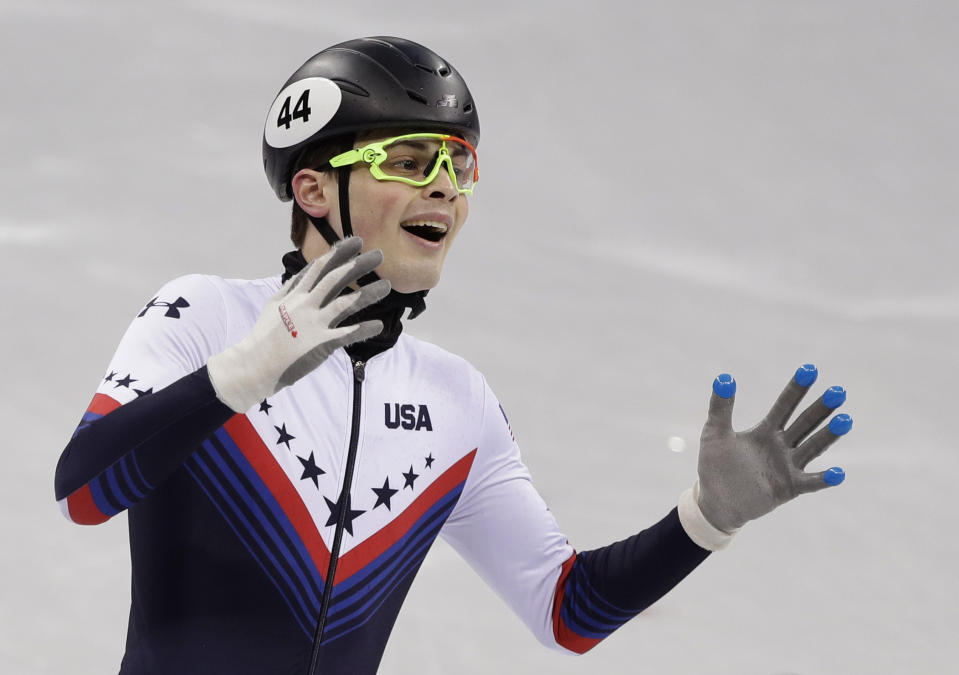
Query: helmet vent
{"points": [[351, 87], [426, 68], [468, 108], [419, 98]]}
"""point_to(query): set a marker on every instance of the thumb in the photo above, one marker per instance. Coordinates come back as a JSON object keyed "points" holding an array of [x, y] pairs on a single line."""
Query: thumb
{"points": [[721, 403]]}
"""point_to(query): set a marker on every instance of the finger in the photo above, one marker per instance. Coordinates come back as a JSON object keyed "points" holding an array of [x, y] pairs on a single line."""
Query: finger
{"points": [[791, 396], [331, 285], [347, 335], [816, 444], [347, 305], [295, 280], [340, 253], [720, 417], [814, 415], [813, 482]]}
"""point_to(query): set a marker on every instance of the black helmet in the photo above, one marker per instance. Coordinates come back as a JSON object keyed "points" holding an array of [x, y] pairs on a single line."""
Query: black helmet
{"points": [[363, 84]]}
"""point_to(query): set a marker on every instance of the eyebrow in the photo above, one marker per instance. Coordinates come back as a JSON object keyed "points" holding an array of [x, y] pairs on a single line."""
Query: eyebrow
{"points": [[455, 149], [416, 145]]}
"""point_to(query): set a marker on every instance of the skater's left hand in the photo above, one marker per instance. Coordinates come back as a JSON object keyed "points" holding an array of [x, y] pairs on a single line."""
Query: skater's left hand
{"points": [[746, 474]]}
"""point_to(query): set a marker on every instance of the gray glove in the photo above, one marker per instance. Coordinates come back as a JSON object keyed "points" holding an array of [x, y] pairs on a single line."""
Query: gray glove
{"points": [[300, 327], [746, 474]]}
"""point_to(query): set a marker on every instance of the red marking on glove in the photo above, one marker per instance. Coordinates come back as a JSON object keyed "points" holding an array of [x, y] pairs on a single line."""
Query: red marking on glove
{"points": [[287, 321]]}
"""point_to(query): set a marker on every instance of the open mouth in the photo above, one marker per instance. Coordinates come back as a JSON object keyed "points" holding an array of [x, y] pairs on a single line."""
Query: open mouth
{"points": [[426, 230]]}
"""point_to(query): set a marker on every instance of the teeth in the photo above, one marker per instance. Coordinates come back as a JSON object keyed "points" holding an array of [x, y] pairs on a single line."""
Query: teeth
{"points": [[425, 229], [433, 225]]}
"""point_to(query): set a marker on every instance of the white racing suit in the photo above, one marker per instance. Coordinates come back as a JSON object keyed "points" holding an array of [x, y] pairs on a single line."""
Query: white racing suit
{"points": [[231, 516]]}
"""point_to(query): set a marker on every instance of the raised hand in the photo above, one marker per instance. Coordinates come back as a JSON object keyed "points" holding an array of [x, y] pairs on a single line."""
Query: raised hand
{"points": [[300, 327], [746, 474]]}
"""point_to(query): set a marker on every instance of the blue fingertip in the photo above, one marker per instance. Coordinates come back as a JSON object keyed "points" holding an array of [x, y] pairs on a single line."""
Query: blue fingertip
{"points": [[724, 385], [834, 397], [840, 424], [834, 476], [806, 375]]}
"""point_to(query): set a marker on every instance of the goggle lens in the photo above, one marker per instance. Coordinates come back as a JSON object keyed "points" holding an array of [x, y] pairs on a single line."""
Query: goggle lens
{"points": [[416, 159]]}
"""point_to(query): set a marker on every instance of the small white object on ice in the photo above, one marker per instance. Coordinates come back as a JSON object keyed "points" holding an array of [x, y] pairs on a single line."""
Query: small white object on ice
{"points": [[676, 444]]}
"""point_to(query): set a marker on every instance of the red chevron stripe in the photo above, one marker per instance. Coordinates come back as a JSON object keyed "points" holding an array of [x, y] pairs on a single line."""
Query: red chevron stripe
{"points": [[251, 445], [83, 510], [102, 404], [258, 454], [371, 548], [564, 634]]}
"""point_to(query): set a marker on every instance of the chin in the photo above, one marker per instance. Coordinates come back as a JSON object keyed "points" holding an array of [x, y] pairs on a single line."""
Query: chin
{"points": [[412, 287], [411, 283]]}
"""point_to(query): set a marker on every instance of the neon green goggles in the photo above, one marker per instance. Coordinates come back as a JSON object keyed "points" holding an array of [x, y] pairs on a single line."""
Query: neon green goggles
{"points": [[415, 159]]}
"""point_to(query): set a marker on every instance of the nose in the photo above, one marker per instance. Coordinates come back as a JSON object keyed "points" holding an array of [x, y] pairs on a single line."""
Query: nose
{"points": [[442, 186]]}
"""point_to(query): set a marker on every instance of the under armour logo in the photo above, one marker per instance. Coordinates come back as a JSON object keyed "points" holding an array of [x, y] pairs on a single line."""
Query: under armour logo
{"points": [[172, 308], [448, 101]]}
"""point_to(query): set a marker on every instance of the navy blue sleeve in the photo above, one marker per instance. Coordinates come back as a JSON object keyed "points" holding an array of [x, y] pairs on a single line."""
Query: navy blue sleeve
{"points": [[117, 457], [602, 589]]}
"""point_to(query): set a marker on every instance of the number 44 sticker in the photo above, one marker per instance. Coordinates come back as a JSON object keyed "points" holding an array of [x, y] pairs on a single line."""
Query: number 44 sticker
{"points": [[300, 111]]}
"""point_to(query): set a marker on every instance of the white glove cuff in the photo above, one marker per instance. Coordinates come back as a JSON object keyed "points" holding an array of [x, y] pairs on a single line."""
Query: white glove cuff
{"points": [[697, 527], [234, 380]]}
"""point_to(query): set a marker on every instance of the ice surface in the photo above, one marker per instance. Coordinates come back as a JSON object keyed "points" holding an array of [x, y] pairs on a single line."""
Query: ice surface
{"points": [[669, 191]]}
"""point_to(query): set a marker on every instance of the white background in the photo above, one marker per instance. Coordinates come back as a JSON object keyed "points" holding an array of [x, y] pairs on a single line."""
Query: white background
{"points": [[669, 190]]}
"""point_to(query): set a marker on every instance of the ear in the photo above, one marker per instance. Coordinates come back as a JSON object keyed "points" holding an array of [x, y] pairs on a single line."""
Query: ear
{"points": [[313, 190]]}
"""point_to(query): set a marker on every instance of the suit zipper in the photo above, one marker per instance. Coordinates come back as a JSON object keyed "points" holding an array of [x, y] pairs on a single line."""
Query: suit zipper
{"points": [[359, 374]]}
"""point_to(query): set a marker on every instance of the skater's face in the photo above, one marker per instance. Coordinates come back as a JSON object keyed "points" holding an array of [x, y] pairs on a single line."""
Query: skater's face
{"points": [[414, 226]]}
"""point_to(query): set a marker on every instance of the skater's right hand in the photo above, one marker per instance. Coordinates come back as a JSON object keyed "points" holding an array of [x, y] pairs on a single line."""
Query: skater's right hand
{"points": [[300, 327]]}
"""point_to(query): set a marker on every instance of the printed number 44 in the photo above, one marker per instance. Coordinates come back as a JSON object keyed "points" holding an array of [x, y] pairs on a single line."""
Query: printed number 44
{"points": [[300, 111]]}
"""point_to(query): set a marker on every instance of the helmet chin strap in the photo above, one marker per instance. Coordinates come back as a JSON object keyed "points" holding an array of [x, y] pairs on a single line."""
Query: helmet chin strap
{"points": [[416, 301]]}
